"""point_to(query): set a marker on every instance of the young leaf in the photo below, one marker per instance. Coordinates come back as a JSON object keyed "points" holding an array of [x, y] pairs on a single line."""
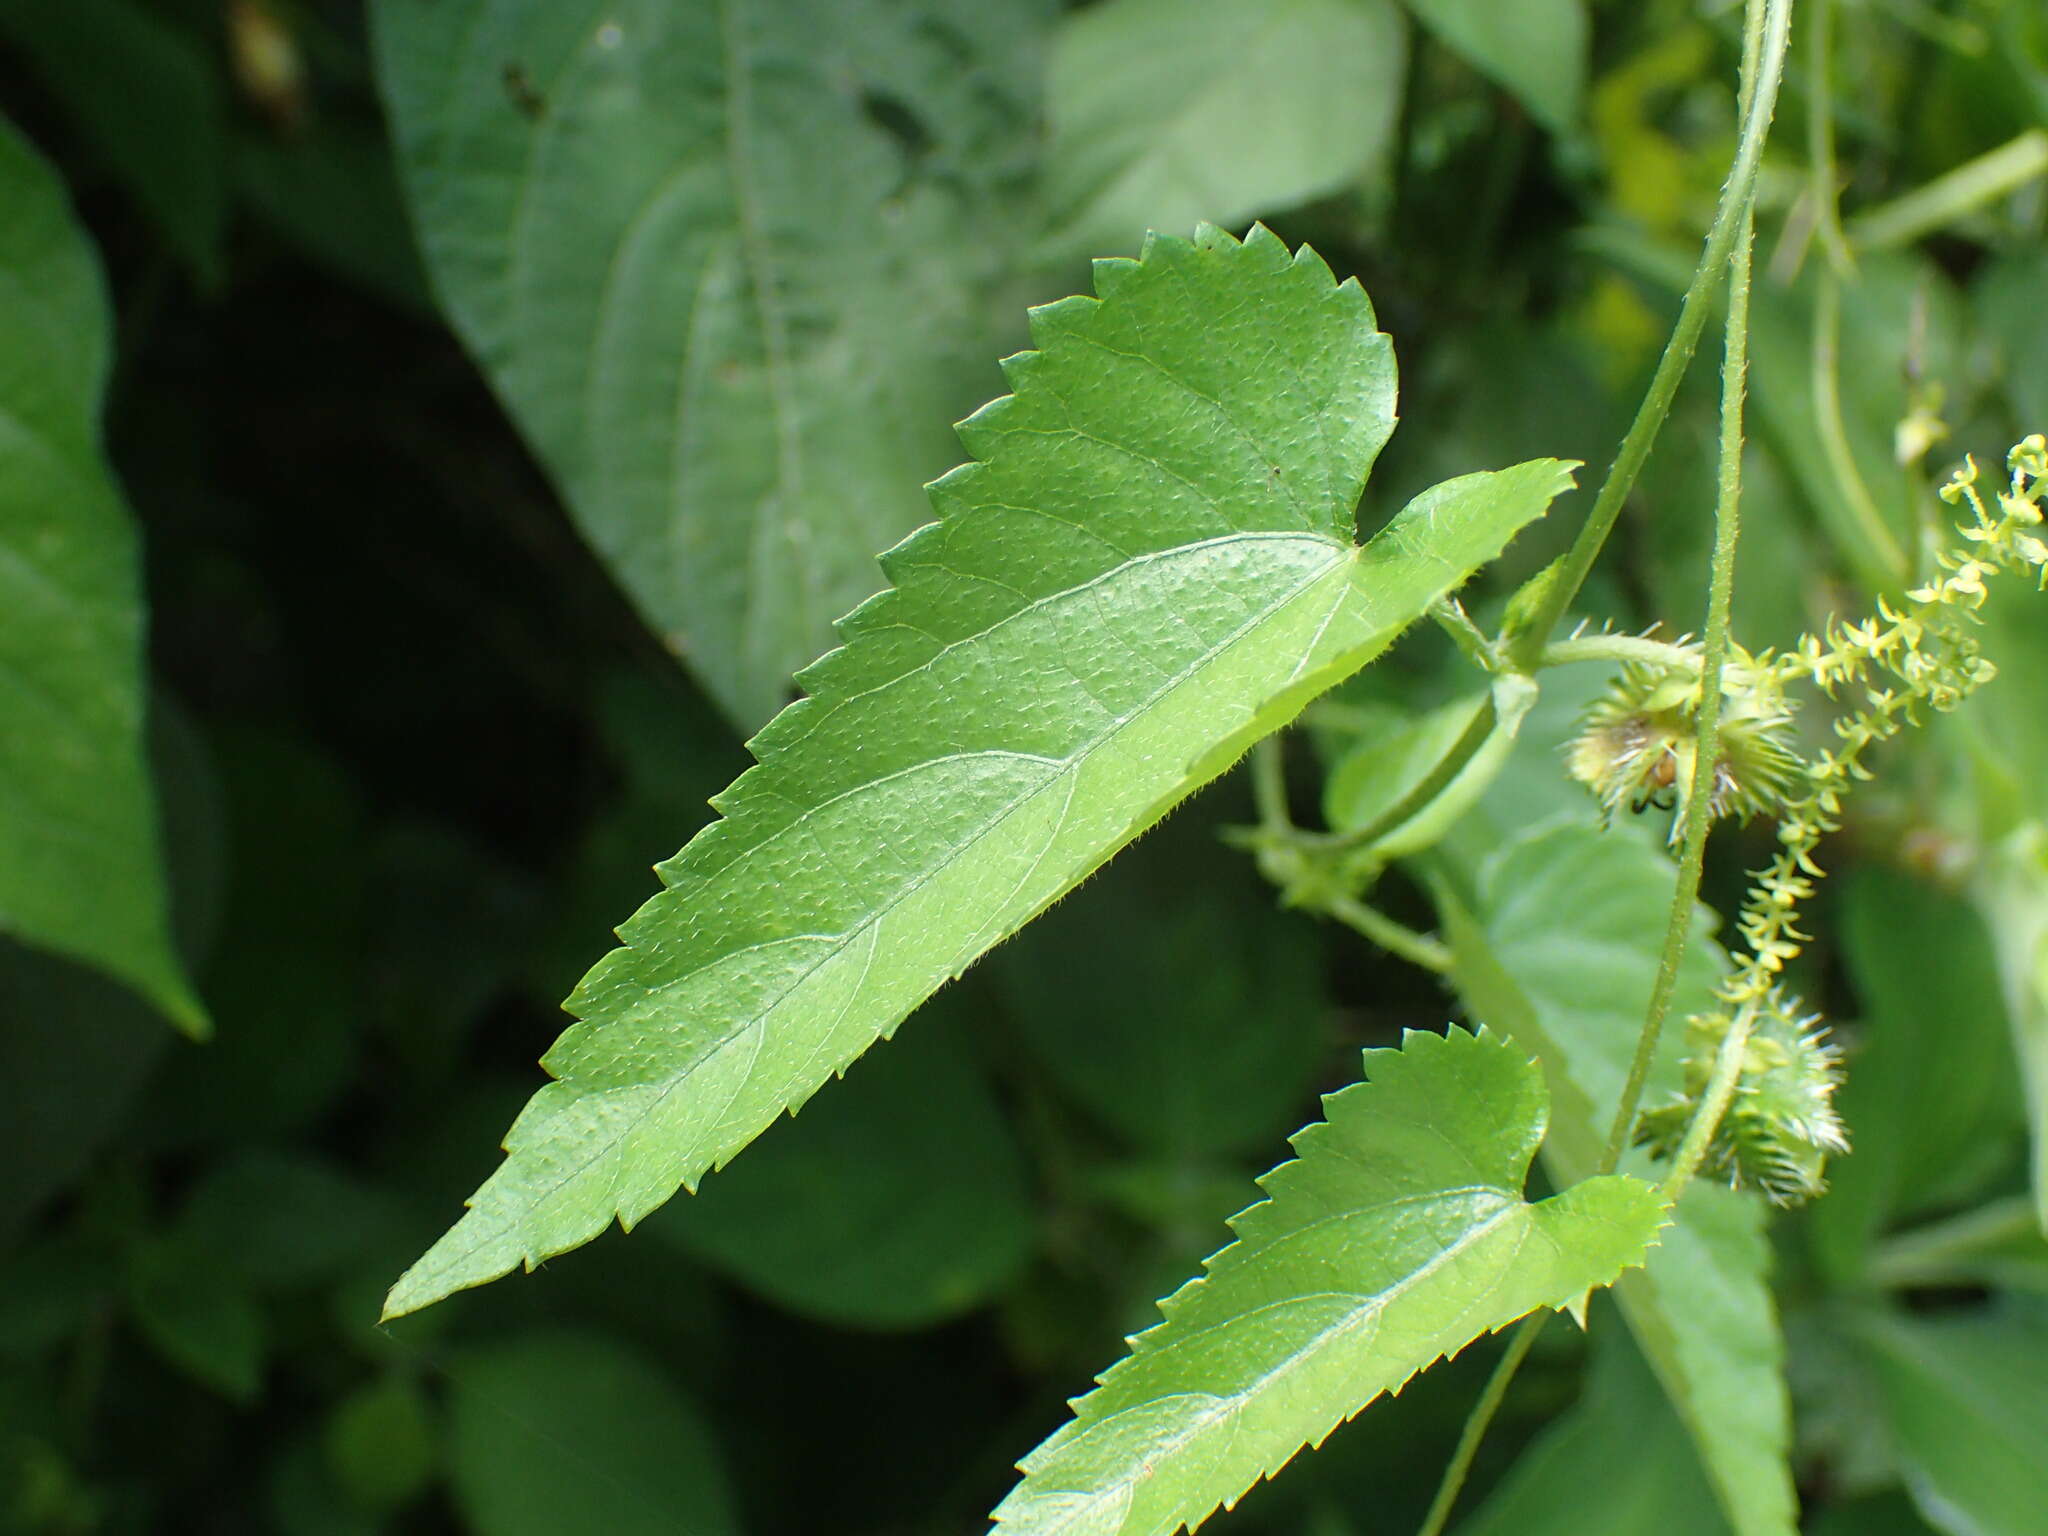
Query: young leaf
{"points": [[1560, 954], [1159, 120], [1397, 1236], [730, 266], [1150, 567], [79, 870]]}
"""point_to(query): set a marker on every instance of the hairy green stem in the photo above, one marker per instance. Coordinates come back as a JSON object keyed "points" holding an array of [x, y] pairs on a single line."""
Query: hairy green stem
{"points": [[1269, 786], [1760, 95], [1440, 778], [1477, 1422], [1395, 938], [1765, 28], [1713, 660], [1622, 648]]}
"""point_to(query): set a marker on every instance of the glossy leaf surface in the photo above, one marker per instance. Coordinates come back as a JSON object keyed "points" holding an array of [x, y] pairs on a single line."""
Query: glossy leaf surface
{"points": [[1397, 1236], [1150, 566]]}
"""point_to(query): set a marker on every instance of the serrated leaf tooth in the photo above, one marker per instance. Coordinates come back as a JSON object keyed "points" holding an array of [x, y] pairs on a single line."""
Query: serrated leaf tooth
{"points": [[1171, 600], [1286, 1334]]}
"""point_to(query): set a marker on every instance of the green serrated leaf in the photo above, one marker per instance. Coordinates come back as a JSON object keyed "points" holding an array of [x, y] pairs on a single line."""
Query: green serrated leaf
{"points": [[79, 866], [1397, 1236], [1536, 49], [1150, 566], [1560, 952], [729, 264], [1160, 118]]}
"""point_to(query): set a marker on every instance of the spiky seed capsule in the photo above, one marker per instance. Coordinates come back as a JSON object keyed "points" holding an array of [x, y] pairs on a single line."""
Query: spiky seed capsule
{"points": [[1638, 742], [1781, 1126]]}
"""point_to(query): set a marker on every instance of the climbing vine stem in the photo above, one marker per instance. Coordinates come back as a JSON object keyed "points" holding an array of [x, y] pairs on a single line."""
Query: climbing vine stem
{"points": [[1706, 763], [1760, 94]]}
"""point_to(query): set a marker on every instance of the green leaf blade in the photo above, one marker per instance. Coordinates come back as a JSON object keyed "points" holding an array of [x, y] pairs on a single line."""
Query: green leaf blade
{"points": [[1156, 123], [1397, 1236], [1560, 954], [1149, 568], [728, 305], [80, 869]]}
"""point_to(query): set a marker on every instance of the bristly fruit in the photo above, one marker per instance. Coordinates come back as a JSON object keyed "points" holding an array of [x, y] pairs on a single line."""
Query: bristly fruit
{"points": [[1637, 743], [1781, 1126]]}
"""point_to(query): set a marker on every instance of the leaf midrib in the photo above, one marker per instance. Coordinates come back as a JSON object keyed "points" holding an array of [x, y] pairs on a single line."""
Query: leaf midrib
{"points": [[842, 942], [1159, 1451]]}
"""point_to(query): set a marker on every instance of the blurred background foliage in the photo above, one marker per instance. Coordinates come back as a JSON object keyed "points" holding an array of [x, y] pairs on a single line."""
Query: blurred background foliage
{"points": [[496, 400]]}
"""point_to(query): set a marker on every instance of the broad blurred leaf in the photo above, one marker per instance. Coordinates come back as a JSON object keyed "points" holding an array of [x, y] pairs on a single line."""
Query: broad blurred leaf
{"points": [[289, 809], [1160, 118], [729, 266], [2014, 323], [76, 1049], [1560, 952], [1901, 318], [380, 1444], [1149, 567], [199, 1319], [276, 1219], [1964, 1398], [1619, 1464], [1930, 1097], [896, 1202], [79, 868], [1534, 48], [334, 193], [1173, 1000], [2012, 892], [147, 97], [1397, 1236], [562, 1434]]}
